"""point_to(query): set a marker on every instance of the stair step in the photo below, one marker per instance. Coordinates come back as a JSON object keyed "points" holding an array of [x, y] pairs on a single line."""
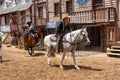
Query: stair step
{"points": [[113, 54], [115, 47], [113, 50]]}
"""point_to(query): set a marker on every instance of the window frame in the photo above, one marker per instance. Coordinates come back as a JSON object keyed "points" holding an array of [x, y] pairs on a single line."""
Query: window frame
{"points": [[40, 12], [7, 19], [98, 2], [56, 9], [69, 8]]}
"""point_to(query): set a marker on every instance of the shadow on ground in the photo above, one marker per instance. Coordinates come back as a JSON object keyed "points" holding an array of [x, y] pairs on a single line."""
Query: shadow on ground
{"points": [[69, 67], [4, 61], [36, 55]]}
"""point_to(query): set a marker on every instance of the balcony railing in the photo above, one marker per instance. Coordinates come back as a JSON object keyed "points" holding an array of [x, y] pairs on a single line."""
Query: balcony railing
{"points": [[92, 16]]}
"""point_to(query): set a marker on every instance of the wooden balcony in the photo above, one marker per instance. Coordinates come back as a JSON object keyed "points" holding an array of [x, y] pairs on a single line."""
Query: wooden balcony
{"points": [[94, 16]]}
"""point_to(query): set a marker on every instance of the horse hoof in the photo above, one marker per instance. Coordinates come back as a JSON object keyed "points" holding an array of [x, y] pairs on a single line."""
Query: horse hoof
{"points": [[78, 68], [61, 67], [49, 63]]}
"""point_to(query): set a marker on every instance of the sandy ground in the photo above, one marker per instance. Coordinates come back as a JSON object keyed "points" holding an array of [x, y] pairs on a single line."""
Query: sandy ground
{"points": [[18, 65]]}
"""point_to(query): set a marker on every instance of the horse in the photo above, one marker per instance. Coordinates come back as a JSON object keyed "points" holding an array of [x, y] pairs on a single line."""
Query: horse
{"points": [[30, 42], [70, 41]]}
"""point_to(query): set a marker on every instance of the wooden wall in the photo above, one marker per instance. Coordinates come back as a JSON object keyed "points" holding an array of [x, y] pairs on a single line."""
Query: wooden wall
{"points": [[76, 7]]}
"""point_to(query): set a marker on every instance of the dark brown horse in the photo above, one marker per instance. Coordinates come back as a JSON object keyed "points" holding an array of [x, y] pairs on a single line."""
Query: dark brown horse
{"points": [[30, 41]]}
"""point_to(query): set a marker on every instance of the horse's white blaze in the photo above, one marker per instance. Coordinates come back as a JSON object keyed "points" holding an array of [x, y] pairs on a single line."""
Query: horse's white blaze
{"points": [[70, 44]]}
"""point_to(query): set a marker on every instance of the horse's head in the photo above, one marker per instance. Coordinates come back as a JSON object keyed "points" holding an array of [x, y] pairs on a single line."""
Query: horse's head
{"points": [[84, 36]]}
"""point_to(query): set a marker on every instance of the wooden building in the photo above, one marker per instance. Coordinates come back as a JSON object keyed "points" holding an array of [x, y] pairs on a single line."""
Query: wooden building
{"points": [[14, 14], [100, 16]]}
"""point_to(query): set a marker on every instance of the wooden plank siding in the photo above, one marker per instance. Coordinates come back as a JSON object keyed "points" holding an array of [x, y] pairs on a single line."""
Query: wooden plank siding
{"points": [[85, 13], [41, 20]]}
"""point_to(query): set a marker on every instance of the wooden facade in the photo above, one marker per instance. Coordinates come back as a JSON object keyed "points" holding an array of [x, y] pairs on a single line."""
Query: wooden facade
{"points": [[100, 16], [14, 17]]}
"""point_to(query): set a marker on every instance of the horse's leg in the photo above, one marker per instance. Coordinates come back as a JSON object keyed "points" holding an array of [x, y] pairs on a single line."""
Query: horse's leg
{"points": [[64, 54], [48, 55], [30, 51], [74, 59]]}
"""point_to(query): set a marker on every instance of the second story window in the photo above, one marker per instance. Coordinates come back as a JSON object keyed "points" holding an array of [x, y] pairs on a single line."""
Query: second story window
{"points": [[7, 19], [40, 12], [69, 7], [56, 9], [98, 2]]}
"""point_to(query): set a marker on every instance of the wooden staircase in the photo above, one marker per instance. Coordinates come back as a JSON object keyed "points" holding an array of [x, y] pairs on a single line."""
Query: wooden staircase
{"points": [[113, 51]]}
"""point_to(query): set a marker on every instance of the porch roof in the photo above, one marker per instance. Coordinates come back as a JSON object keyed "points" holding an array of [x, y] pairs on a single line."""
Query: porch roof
{"points": [[19, 7]]}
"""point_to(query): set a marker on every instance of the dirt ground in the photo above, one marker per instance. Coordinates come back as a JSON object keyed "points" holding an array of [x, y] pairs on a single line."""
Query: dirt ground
{"points": [[18, 65]]}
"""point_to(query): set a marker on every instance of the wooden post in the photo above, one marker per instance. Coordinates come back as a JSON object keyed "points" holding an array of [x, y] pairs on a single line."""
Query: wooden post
{"points": [[34, 4], [47, 11], [60, 2]]}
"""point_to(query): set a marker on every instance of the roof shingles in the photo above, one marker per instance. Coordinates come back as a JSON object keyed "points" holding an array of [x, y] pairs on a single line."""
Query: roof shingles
{"points": [[19, 7]]}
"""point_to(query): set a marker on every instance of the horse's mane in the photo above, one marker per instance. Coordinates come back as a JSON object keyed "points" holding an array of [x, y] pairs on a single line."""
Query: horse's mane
{"points": [[72, 32]]}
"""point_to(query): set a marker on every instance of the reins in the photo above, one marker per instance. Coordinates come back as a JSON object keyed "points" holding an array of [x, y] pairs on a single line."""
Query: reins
{"points": [[72, 43]]}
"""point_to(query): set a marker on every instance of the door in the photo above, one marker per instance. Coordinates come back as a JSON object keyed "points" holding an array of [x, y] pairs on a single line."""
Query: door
{"points": [[111, 34]]}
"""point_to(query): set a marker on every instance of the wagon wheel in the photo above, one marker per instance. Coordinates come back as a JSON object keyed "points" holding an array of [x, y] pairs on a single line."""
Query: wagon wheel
{"points": [[31, 51]]}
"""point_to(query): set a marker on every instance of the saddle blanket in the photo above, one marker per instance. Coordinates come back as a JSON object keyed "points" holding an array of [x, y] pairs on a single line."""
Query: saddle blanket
{"points": [[54, 38]]}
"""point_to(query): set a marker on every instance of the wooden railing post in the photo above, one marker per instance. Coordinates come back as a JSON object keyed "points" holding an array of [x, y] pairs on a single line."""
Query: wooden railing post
{"points": [[108, 14], [115, 15]]}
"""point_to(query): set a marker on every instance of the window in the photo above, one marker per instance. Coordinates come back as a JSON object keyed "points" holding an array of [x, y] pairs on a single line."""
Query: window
{"points": [[69, 7], [56, 8], [98, 2], [7, 19], [40, 12]]}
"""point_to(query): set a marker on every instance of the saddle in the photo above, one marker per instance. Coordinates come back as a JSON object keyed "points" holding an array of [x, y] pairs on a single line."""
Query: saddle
{"points": [[35, 36], [60, 45]]}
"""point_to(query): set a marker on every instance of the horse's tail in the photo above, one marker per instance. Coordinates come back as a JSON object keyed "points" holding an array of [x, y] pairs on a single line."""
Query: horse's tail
{"points": [[52, 54], [45, 46]]}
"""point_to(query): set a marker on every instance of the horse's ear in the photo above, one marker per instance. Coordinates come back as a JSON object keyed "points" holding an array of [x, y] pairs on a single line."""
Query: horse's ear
{"points": [[84, 27]]}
